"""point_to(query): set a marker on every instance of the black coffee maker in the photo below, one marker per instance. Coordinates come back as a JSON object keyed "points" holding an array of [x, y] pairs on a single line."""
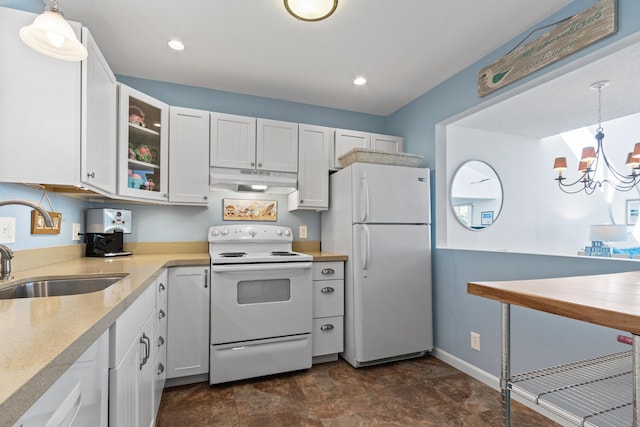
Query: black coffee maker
{"points": [[105, 231]]}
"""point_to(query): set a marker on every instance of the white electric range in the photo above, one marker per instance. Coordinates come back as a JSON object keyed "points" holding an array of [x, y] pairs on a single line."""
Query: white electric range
{"points": [[261, 302]]}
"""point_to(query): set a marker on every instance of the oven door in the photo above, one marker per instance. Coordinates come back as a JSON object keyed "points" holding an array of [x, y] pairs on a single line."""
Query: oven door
{"points": [[256, 301]]}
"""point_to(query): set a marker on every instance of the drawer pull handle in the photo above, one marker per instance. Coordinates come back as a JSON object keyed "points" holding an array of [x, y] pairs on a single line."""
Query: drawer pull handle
{"points": [[160, 341], [327, 290], [326, 327], [160, 368], [162, 287], [161, 314], [328, 271]]}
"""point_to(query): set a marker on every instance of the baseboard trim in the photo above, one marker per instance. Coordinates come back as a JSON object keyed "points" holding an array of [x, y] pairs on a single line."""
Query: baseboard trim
{"points": [[493, 382]]}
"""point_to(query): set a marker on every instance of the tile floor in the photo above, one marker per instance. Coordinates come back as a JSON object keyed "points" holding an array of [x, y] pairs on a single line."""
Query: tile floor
{"points": [[418, 392]]}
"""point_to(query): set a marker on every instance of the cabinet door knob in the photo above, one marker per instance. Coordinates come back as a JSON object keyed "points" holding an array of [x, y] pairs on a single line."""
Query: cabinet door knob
{"points": [[328, 271], [327, 290], [205, 197], [326, 327], [253, 164], [259, 165], [91, 175], [301, 201]]}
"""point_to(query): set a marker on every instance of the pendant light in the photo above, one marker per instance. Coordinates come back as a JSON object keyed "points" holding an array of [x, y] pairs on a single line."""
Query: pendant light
{"points": [[51, 35], [594, 158], [311, 10]]}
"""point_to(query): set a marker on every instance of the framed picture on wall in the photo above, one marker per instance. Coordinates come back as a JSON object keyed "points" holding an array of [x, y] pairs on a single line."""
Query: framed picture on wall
{"points": [[633, 211], [486, 218], [249, 210]]}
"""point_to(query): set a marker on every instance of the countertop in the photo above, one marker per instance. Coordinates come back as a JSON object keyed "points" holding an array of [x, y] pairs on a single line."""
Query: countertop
{"points": [[322, 256], [611, 300], [42, 337]]}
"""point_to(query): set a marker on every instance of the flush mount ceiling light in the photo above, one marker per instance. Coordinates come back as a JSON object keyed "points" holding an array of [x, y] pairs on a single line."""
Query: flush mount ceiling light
{"points": [[359, 81], [311, 10], [176, 45], [594, 157], [51, 35]]}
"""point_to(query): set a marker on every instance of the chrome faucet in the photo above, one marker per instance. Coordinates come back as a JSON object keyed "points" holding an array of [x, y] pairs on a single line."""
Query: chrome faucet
{"points": [[6, 254]]}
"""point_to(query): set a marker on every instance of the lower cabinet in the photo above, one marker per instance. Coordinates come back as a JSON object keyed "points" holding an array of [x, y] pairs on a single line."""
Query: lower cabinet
{"points": [[79, 397], [131, 386], [328, 310], [188, 332], [160, 349]]}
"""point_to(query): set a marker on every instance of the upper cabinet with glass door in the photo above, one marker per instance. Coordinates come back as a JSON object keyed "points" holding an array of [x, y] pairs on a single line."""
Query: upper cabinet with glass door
{"points": [[143, 146]]}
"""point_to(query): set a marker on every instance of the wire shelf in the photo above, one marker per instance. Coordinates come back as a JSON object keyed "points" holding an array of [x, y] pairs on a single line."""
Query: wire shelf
{"points": [[592, 392]]}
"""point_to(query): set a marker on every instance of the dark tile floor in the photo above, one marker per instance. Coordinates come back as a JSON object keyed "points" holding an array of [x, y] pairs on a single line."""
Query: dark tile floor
{"points": [[417, 392]]}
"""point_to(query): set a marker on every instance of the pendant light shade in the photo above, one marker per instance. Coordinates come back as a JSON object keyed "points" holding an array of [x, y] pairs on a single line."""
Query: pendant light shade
{"points": [[51, 35], [311, 10]]}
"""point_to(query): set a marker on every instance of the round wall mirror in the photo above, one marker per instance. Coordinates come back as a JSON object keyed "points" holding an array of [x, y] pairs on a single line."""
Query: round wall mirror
{"points": [[476, 195]]}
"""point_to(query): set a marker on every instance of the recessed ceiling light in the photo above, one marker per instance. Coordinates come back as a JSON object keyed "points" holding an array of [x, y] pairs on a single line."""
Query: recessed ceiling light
{"points": [[359, 81], [176, 45]]}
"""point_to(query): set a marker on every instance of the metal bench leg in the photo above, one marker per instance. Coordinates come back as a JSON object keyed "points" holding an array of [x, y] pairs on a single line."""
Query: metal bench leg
{"points": [[505, 363]]}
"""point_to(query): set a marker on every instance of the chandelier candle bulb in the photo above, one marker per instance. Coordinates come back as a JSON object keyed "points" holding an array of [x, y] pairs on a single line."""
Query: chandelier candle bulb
{"points": [[559, 165]]}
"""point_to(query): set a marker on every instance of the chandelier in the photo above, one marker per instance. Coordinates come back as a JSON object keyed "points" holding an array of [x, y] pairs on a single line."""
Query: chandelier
{"points": [[594, 158]]}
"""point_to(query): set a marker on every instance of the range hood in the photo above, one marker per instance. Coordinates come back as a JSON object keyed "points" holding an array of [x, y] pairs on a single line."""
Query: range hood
{"points": [[243, 179]]}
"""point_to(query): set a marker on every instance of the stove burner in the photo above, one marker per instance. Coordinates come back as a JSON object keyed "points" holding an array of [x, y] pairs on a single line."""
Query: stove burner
{"points": [[282, 253], [232, 254]]}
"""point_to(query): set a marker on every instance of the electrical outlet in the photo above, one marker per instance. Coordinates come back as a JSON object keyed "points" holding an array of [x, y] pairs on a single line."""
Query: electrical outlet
{"points": [[475, 341], [75, 235], [7, 230], [303, 232]]}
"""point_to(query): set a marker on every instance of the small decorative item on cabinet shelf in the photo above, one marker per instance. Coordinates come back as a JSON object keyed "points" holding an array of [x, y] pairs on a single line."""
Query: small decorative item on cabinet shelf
{"points": [[143, 153], [132, 151], [249, 210], [136, 115]]}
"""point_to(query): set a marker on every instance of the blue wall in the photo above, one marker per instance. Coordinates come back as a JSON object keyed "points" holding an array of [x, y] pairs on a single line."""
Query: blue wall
{"points": [[538, 339]]}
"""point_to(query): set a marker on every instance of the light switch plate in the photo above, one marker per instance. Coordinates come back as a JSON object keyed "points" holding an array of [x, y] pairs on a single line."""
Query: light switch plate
{"points": [[303, 232], [7, 230]]}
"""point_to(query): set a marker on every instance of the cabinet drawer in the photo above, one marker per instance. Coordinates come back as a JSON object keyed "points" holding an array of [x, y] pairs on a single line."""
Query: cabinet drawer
{"points": [[328, 270], [327, 335], [328, 298]]}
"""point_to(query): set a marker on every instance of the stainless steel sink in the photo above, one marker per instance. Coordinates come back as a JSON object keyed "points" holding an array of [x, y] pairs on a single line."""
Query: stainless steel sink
{"points": [[52, 287]]}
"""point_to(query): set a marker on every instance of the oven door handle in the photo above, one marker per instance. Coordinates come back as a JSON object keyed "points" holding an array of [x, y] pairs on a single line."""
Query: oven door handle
{"points": [[260, 267]]}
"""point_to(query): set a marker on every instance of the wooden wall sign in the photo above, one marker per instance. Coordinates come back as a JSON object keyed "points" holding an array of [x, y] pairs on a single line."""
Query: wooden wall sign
{"points": [[577, 32], [39, 227]]}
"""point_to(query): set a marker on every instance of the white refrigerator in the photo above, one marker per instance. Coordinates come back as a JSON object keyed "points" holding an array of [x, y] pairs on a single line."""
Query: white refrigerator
{"points": [[379, 216]]}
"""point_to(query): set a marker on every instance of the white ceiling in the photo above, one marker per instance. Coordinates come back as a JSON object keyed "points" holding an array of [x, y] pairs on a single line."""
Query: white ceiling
{"points": [[404, 48]]}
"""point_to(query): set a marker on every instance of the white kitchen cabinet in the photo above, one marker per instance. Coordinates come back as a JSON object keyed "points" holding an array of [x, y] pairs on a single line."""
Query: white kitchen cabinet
{"points": [[346, 140], [388, 143], [160, 347], [79, 397], [233, 141], [56, 122], [239, 142], [143, 146], [314, 150], [328, 310], [277, 146], [188, 335], [188, 156], [99, 131], [131, 385]]}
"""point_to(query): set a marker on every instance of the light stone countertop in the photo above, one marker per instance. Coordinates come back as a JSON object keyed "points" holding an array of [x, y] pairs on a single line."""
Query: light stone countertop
{"points": [[40, 338]]}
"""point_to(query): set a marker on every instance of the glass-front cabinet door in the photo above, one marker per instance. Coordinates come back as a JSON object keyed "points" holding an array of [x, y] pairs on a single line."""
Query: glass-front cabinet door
{"points": [[143, 145]]}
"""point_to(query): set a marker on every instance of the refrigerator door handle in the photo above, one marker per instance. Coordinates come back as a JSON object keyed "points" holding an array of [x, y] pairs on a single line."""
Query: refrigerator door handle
{"points": [[366, 249], [364, 207]]}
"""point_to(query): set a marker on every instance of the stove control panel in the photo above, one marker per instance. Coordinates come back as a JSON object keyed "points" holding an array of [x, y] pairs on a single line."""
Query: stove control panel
{"points": [[254, 232]]}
